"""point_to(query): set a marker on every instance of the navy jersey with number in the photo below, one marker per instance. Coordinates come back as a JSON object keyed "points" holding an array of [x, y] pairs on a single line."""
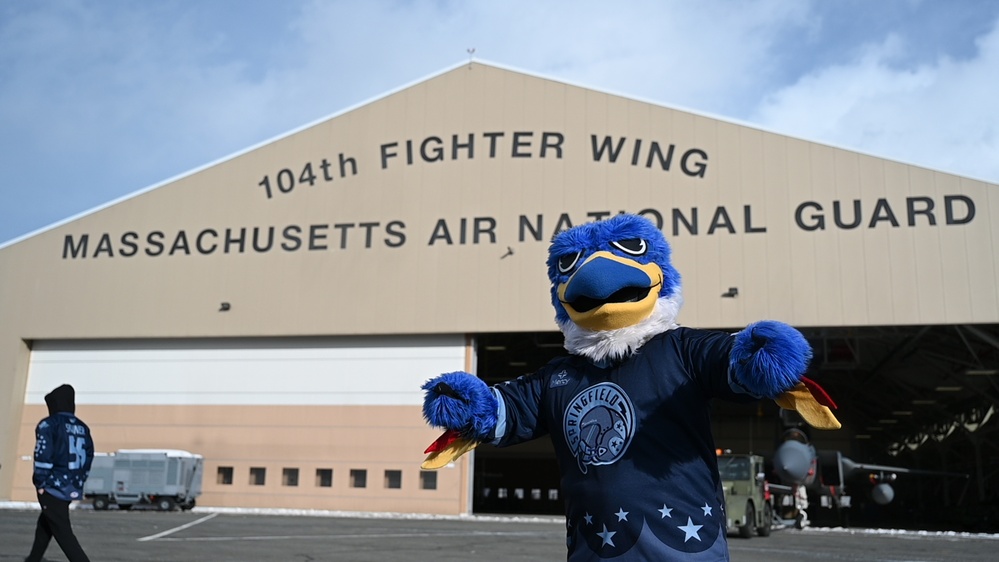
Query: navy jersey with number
{"points": [[634, 446], [64, 451]]}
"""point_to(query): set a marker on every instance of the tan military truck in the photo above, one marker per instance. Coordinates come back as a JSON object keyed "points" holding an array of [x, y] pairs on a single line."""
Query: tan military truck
{"points": [[748, 506]]}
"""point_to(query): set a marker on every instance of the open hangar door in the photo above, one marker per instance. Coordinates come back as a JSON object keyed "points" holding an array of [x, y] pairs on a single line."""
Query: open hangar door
{"points": [[922, 397], [913, 396], [523, 478]]}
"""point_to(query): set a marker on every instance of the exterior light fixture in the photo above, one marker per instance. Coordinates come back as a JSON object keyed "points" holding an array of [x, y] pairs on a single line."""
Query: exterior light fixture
{"points": [[732, 292]]}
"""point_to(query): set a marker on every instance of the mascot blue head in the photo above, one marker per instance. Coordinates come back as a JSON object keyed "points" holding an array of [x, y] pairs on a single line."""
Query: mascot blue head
{"points": [[613, 286]]}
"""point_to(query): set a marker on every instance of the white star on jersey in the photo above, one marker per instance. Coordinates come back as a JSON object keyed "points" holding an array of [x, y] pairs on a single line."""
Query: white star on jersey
{"points": [[690, 530], [606, 536], [666, 511]]}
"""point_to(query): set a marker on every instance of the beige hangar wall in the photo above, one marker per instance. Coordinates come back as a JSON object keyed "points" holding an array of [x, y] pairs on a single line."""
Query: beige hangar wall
{"points": [[428, 210], [288, 409]]}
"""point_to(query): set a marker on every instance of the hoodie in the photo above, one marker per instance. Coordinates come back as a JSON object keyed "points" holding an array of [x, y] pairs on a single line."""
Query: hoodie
{"points": [[64, 449]]}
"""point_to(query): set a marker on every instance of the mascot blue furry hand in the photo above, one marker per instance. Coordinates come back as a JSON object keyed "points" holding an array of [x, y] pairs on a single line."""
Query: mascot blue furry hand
{"points": [[627, 409]]}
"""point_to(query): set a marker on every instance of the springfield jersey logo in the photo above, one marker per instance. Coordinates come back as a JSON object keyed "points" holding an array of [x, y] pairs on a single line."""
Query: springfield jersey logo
{"points": [[599, 424]]}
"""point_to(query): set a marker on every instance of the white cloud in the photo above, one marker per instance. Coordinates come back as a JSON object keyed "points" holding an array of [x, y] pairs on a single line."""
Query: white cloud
{"points": [[942, 114], [98, 100], [715, 56]]}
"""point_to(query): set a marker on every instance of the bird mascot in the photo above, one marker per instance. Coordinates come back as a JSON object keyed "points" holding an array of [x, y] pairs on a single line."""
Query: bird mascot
{"points": [[628, 409]]}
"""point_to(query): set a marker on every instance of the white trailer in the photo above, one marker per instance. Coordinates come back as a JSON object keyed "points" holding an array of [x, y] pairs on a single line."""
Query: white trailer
{"points": [[163, 479]]}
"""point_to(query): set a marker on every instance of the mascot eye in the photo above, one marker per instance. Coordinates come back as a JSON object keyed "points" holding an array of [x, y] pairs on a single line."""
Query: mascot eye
{"points": [[633, 246], [567, 262]]}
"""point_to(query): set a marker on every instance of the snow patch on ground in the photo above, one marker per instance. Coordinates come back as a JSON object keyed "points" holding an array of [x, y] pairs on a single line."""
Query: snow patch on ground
{"points": [[552, 519], [901, 533], [32, 506]]}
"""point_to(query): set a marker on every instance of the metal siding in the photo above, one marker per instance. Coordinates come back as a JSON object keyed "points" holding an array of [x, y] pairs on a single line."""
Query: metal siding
{"points": [[778, 244], [875, 257], [902, 257], [985, 278], [367, 371], [802, 258], [833, 276], [752, 248], [929, 273]]}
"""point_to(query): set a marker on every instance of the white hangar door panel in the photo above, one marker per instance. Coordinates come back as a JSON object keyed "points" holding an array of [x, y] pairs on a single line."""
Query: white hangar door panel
{"points": [[289, 423], [346, 371]]}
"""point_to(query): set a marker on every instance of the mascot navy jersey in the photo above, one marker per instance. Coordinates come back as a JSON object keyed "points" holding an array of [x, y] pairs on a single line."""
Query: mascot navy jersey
{"points": [[643, 425]]}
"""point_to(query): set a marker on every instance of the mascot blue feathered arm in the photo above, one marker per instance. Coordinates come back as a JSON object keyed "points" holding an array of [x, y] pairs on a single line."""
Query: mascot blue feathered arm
{"points": [[614, 288]]}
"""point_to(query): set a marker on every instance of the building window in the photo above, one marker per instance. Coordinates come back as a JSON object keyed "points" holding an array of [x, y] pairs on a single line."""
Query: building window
{"points": [[428, 480], [224, 475], [289, 477], [358, 478], [258, 475], [393, 479], [324, 477]]}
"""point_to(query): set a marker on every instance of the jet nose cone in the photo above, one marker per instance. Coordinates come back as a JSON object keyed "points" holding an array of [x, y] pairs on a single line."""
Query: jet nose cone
{"points": [[792, 461]]}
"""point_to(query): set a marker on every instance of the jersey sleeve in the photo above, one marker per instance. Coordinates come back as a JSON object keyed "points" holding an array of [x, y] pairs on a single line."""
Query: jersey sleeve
{"points": [[707, 353], [45, 453], [520, 409], [89, 448]]}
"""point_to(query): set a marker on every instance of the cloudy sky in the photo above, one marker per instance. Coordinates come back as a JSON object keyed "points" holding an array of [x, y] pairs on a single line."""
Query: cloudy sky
{"points": [[103, 98]]}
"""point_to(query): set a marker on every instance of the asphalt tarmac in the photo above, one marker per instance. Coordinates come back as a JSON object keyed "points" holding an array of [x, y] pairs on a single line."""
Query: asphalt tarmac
{"points": [[203, 534]]}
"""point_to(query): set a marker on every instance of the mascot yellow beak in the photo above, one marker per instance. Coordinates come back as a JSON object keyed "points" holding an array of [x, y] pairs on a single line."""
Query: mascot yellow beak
{"points": [[609, 292]]}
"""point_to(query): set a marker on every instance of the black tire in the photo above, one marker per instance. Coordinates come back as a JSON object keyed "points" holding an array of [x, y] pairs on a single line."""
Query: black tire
{"points": [[746, 530], [165, 504], [101, 503], [768, 519]]}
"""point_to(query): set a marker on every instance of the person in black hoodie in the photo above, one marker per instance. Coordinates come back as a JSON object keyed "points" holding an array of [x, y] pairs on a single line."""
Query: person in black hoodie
{"points": [[64, 452]]}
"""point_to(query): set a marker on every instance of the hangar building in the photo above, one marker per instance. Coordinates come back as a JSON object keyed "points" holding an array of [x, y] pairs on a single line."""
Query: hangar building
{"points": [[277, 311]]}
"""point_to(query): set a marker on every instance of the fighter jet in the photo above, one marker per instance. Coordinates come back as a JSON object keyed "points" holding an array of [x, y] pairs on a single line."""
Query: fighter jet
{"points": [[803, 471]]}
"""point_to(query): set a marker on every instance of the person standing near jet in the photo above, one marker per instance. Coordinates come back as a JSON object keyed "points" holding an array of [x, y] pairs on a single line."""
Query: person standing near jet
{"points": [[64, 452]]}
